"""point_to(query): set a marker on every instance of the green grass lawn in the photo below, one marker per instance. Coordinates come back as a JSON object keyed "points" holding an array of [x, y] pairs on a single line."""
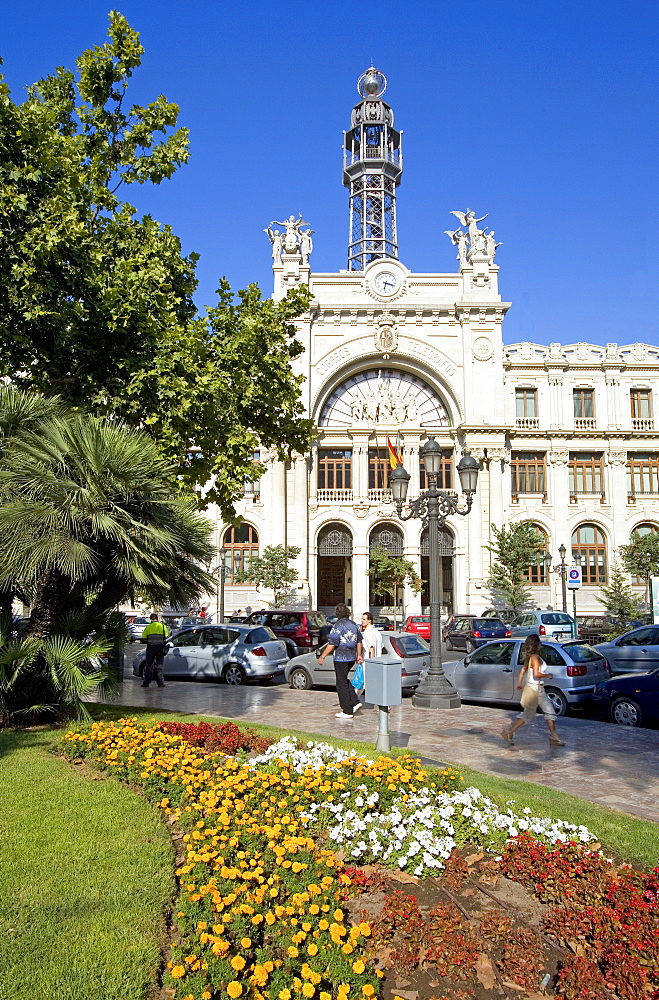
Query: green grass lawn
{"points": [[87, 875], [87, 865]]}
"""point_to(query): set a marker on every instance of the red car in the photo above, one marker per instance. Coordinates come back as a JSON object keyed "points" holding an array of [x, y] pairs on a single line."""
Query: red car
{"points": [[419, 624]]}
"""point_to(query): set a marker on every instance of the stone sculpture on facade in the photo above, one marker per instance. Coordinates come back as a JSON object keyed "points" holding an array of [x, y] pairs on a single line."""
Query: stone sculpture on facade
{"points": [[293, 241], [386, 335], [475, 243], [381, 405]]}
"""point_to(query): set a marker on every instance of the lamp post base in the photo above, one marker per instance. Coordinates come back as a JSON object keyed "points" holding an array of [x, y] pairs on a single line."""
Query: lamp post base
{"points": [[436, 692]]}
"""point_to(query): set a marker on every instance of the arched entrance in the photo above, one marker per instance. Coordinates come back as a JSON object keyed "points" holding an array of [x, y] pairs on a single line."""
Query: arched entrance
{"points": [[446, 549], [334, 573], [390, 538]]}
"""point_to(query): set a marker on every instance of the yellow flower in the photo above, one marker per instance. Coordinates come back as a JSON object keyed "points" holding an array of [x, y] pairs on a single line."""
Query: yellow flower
{"points": [[358, 966], [308, 990], [368, 990], [292, 952], [245, 942], [237, 963], [206, 995], [284, 995], [312, 949], [234, 989], [178, 972]]}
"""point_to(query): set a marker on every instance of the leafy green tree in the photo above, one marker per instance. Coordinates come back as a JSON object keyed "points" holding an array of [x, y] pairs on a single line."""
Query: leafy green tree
{"points": [[273, 571], [87, 517], [96, 304], [389, 573], [620, 601], [641, 557], [515, 548]]}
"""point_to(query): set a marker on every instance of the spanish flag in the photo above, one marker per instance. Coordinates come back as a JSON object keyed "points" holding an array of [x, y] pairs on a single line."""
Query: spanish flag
{"points": [[394, 456]]}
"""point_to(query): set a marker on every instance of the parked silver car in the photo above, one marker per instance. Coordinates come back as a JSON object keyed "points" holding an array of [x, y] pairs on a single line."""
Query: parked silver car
{"points": [[136, 628], [413, 653], [234, 654], [635, 650], [490, 674], [552, 624]]}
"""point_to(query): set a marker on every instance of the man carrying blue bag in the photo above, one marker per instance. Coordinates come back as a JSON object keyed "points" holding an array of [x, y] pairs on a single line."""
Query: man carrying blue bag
{"points": [[345, 642]]}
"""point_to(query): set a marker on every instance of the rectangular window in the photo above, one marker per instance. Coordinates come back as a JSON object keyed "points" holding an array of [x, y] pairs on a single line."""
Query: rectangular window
{"points": [[526, 403], [378, 469], [584, 403], [252, 487], [335, 469], [445, 477], [586, 472], [528, 472], [642, 472], [641, 403]]}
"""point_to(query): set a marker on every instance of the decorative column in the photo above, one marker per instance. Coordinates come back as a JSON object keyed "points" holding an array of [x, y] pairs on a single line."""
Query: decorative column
{"points": [[616, 494], [496, 457], [560, 492], [474, 533], [556, 402], [359, 465], [411, 461], [612, 382], [360, 578], [278, 509], [301, 522]]}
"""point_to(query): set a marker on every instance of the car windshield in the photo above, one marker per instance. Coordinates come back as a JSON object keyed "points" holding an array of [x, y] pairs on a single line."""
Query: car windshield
{"points": [[488, 623], [555, 619], [421, 621], [581, 653]]}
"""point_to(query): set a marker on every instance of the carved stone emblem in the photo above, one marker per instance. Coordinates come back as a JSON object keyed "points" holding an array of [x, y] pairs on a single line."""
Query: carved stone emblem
{"points": [[386, 335], [483, 349], [617, 458], [559, 457]]}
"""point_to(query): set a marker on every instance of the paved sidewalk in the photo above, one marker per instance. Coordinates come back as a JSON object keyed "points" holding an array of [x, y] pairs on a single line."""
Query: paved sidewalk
{"points": [[602, 762]]}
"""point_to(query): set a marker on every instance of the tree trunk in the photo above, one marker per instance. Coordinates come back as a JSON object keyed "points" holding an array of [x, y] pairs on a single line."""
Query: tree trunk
{"points": [[49, 604]]}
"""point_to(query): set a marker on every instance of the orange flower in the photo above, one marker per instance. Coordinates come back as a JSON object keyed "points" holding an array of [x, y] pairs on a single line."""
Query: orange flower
{"points": [[234, 989], [178, 972], [237, 963], [358, 966]]}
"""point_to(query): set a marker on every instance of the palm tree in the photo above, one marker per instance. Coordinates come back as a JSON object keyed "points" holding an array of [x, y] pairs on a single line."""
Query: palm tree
{"points": [[88, 515]]}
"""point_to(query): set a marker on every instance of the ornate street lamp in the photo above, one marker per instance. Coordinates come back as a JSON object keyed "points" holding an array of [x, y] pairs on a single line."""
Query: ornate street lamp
{"points": [[561, 568], [433, 507]]}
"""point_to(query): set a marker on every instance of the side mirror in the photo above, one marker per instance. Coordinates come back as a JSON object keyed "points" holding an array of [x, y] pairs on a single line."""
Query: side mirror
{"points": [[467, 660]]}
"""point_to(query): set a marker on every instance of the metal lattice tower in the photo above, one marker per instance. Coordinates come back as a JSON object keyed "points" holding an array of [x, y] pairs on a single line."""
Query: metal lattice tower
{"points": [[372, 168]]}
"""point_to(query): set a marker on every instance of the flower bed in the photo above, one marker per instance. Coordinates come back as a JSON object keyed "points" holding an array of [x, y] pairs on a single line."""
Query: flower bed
{"points": [[266, 907]]}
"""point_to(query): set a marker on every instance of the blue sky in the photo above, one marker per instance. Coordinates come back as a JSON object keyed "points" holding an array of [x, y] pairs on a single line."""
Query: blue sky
{"points": [[542, 114]]}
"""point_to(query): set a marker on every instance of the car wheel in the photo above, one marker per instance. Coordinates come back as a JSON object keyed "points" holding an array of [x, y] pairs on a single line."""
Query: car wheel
{"points": [[558, 700], [626, 712], [234, 674], [300, 679], [469, 646]]}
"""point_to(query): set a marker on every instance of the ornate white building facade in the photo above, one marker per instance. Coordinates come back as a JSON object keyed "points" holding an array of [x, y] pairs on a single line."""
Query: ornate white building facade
{"points": [[565, 434]]}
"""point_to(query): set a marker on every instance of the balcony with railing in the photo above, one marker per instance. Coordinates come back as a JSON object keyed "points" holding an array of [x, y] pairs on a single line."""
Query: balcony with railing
{"points": [[643, 423], [584, 423], [527, 423], [334, 496], [380, 496], [371, 153]]}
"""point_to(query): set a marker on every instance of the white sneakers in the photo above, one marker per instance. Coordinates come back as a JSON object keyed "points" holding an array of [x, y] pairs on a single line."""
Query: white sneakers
{"points": [[342, 715]]}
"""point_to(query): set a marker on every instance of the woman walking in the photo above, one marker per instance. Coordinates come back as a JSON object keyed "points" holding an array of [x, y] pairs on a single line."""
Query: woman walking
{"points": [[534, 696]]}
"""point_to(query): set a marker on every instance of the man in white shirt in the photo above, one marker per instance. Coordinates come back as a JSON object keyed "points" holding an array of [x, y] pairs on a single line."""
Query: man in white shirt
{"points": [[371, 637]]}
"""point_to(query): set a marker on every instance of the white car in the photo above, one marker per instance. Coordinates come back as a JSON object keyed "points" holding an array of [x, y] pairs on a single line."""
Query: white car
{"points": [[136, 628]]}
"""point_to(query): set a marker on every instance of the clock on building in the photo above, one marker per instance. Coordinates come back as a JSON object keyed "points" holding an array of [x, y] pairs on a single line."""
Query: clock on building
{"points": [[386, 283]]}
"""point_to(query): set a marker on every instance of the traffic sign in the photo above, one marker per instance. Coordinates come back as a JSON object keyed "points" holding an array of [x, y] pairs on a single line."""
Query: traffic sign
{"points": [[574, 578]]}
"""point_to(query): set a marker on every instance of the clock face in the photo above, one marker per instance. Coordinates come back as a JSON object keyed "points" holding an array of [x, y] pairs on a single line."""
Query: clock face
{"points": [[386, 283]]}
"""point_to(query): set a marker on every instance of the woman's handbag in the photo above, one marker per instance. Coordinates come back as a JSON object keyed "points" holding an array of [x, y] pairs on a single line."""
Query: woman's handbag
{"points": [[529, 698], [358, 677]]}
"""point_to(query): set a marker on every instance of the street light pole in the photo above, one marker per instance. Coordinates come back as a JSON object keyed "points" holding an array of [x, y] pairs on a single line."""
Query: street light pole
{"points": [[222, 578], [433, 507], [563, 571]]}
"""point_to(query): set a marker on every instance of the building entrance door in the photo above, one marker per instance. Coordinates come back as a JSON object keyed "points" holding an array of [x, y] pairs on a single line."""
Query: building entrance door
{"points": [[446, 574], [334, 567]]}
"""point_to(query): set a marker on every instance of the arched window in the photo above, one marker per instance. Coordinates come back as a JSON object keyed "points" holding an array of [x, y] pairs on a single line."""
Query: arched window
{"points": [[589, 550], [536, 573], [242, 546], [387, 536], [446, 542], [640, 531]]}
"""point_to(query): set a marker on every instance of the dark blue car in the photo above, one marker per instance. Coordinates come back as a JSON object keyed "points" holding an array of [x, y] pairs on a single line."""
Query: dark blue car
{"points": [[628, 699], [470, 633]]}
